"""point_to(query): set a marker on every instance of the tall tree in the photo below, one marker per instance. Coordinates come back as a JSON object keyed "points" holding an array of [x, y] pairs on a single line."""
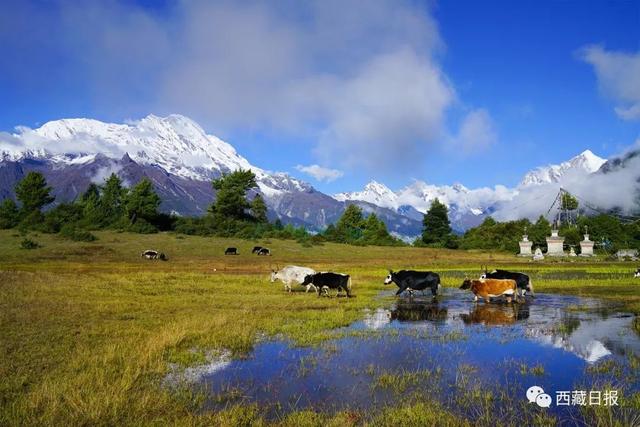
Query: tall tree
{"points": [[9, 214], [436, 229], [231, 190], [90, 204], [375, 231], [259, 209], [112, 200], [142, 202], [350, 225], [33, 192]]}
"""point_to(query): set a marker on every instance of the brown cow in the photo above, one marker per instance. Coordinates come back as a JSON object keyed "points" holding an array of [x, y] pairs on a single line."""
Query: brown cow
{"points": [[489, 288]]}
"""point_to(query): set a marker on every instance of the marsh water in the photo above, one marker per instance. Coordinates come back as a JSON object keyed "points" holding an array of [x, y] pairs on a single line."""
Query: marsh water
{"points": [[474, 358]]}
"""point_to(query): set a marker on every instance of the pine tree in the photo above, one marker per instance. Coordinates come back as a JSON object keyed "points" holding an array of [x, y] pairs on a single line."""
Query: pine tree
{"points": [[112, 208], [375, 231], [9, 214], [32, 191], [231, 190], [436, 228], [259, 209], [91, 206], [142, 202], [349, 226]]}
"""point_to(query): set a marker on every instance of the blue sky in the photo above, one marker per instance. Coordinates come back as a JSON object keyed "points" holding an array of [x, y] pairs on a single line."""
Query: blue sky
{"points": [[457, 91]]}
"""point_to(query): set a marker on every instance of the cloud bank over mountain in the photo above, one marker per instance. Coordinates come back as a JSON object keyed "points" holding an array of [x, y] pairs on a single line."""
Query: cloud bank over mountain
{"points": [[359, 81]]}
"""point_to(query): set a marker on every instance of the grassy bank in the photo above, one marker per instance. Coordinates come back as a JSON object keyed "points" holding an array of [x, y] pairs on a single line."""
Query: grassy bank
{"points": [[89, 329]]}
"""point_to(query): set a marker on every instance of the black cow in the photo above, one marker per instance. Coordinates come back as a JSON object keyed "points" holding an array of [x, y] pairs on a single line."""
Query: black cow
{"points": [[264, 251], [326, 281], [409, 280], [522, 280], [256, 249], [231, 251], [637, 273]]}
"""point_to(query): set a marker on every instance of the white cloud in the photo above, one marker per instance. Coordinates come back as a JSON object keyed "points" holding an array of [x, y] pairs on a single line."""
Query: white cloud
{"points": [[360, 78], [320, 173], [594, 188], [618, 76], [476, 132]]}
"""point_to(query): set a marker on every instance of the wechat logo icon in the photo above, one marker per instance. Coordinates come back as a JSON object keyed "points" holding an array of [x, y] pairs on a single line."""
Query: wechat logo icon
{"points": [[537, 395]]}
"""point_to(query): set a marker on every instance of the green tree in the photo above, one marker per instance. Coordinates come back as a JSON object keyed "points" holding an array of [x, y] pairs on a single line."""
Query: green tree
{"points": [[349, 226], [112, 201], [569, 202], [33, 193], [142, 202], [9, 214], [231, 190], [259, 209], [436, 229], [61, 215], [375, 231], [539, 231], [90, 204]]}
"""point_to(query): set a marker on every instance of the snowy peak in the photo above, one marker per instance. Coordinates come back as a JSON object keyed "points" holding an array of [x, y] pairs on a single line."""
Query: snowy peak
{"points": [[584, 163], [374, 192], [175, 143]]}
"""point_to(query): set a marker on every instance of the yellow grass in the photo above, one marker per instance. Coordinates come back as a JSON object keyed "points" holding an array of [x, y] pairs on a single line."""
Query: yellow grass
{"points": [[88, 330]]}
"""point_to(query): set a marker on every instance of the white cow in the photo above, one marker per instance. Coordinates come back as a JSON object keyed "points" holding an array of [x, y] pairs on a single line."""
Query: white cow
{"points": [[292, 275]]}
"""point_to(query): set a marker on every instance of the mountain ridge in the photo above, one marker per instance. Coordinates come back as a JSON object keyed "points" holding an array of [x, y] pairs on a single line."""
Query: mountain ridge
{"points": [[181, 159]]}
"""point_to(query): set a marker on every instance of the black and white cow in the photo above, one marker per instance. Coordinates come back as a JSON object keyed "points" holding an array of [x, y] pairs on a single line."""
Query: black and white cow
{"points": [[256, 249], [523, 282], [409, 280], [151, 254], [231, 251], [325, 281], [264, 251], [637, 273]]}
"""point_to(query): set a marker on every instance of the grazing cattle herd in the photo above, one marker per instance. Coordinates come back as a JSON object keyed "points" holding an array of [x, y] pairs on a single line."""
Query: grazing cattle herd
{"points": [[497, 284]]}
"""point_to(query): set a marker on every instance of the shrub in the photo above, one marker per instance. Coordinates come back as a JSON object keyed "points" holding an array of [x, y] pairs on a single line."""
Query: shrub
{"points": [[142, 226], [72, 232], [29, 244]]}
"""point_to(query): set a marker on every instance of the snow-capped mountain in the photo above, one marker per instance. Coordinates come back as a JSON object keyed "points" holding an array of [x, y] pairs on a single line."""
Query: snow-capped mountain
{"points": [[584, 163], [373, 192], [468, 207], [180, 158], [174, 152]]}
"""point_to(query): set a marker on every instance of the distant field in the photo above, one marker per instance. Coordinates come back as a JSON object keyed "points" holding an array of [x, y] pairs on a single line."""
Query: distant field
{"points": [[88, 330]]}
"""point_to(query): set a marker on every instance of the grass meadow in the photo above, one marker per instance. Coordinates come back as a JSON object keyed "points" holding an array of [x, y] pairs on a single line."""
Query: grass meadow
{"points": [[88, 331]]}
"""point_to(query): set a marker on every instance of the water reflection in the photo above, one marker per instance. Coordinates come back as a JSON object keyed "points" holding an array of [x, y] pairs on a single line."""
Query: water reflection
{"points": [[424, 334], [416, 310], [496, 314]]}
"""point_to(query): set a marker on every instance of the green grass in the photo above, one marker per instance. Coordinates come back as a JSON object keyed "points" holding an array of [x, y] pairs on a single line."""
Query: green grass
{"points": [[89, 330]]}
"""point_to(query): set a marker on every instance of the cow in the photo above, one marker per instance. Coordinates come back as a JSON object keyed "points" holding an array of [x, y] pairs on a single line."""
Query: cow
{"points": [[264, 251], [409, 280], [637, 273], [231, 251], [293, 275], [325, 281], [151, 254], [256, 249], [523, 282], [489, 288]]}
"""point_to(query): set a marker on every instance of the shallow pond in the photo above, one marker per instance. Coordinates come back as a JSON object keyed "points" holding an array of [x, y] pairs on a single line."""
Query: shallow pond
{"points": [[476, 359]]}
